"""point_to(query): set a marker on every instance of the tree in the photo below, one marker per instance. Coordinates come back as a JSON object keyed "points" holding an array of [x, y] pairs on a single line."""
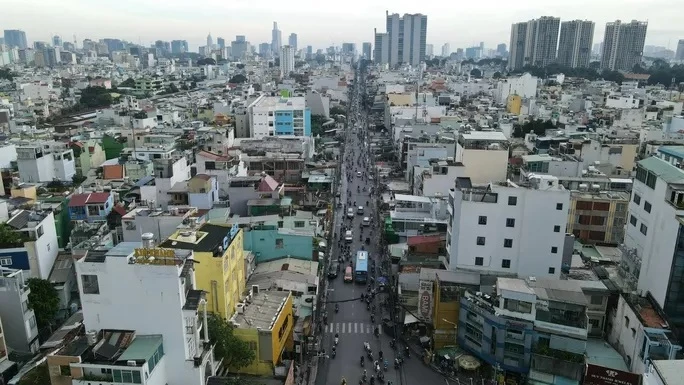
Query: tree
{"points": [[239, 78], [9, 237], [127, 83], [7, 74], [337, 110], [205, 61], [240, 66], [538, 126], [95, 97], [497, 75], [43, 299], [234, 352], [476, 73]]}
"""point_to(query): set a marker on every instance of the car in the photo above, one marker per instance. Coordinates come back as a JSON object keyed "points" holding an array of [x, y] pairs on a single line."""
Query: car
{"points": [[348, 237], [337, 194], [333, 270], [366, 221], [350, 213], [358, 173], [359, 210]]}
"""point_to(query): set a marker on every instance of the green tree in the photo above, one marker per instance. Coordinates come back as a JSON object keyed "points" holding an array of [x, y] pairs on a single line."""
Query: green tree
{"points": [[43, 299], [240, 66], [95, 97], [497, 75], [476, 73], [239, 78], [130, 82], [234, 352], [7, 74], [337, 110], [9, 237], [538, 127]]}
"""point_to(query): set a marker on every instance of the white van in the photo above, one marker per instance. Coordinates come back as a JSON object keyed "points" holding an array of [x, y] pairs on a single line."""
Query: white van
{"points": [[350, 212], [348, 236], [366, 221], [360, 210]]}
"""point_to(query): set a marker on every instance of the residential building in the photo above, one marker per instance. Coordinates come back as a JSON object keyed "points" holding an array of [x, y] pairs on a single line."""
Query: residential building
{"points": [[679, 55], [416, 215], [576, 39], [18, 319], [534, 42], [292, 41], [159, 283], [484, 154], [46, 162], [266, 323], [276, 40], [279, 116], [219, 271], [640, 330], [663, 372], [407, 38], [242, 189], [287, 60], [152, 85], [112, 356], [654, 237], [381, 50], [493, 228], [36, 249], [203, 191], [7, 368], [623, 45], [367, 50], [598, 216], [161, 223], [91, 207], [15, 38], [524, 86], [240, 48], [271, 242]]}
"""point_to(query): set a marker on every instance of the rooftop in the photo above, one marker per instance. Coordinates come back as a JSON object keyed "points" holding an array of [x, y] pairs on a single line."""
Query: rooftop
{"points": [[207, 238], [558, 291], [662, 169], [78, 200], [484, 135], [670, 371], [648, 311], [142, 347], [676, 151], [279, 102], [263, 310]]}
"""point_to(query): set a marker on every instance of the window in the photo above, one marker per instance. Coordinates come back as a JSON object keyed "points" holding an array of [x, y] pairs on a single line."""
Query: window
{"points": [[482, 220], [637, 199], [480, 241], [643, 229], [93, 210], [596, 300], [210, 165], [64, 370], [280, 224], [559, 206], [40, 231], [299, 224], [510, 222], [647, 206], [32, 322], [7, 261], [24, 306], [279, 243], [90, 284], [554, 250], [506, 263], [512, 201], [479, 261], [552, 270], [632, 220], [556, 229], [508, 243]]}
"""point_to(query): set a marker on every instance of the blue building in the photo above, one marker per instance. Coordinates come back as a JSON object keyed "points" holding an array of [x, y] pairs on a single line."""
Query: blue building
{"points": [[280, 116], [90, 207], [269, 243]]}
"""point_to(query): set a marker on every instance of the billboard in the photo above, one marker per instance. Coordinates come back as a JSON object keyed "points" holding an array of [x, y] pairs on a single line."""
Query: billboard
{"points": [[600, 375], [425, 299]]}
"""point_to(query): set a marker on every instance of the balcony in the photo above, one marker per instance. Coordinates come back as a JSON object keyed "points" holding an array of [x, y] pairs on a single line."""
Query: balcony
{"points": [[557, 362]]}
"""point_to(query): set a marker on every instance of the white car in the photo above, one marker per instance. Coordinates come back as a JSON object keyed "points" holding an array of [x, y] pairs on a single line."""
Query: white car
{"points": [[350, 213], [358, 173], [366, 221], [360, 210], [348, 236]]}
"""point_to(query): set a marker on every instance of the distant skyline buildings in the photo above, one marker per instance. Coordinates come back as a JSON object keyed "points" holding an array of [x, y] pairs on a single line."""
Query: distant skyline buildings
{"points": [[405, 40], [679, 54], [575, 43], [15, 38], [276, 40], [366, 51], [292, 41], [623, 45]]}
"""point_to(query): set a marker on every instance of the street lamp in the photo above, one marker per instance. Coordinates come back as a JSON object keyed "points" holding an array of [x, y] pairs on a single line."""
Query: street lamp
{"points": [[455, 327]]}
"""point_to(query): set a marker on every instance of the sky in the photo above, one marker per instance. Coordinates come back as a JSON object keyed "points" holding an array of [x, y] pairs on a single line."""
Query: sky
{"points": [[321, 23]]}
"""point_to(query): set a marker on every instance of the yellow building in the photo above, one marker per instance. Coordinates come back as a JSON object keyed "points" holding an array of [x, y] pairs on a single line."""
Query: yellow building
{"points": [[221, 268], [267, 324], [24, 191], [514, 104]]}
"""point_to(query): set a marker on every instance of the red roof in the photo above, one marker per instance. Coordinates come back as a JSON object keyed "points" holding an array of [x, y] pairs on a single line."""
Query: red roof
{"points": [[79, 200], [120, 209], [267, 184], [425, 239]]}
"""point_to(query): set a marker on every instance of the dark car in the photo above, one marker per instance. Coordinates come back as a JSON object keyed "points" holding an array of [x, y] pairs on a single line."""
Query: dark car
{"points": [[333, 270]]}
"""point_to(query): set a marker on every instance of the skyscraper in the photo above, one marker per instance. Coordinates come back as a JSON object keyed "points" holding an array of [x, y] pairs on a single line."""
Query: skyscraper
{"points": [[15, 38], [276, 41], [534, 42], [287, 60], [179, 46], [240, 47], [292, 41], [348, 48], [382, 48], [501, 49], [623, 45], [265, 49], [210, 41], [429, 50], [56, 41], [221, 42], [679, 55], [574, 46], [367, 51], [407, 38], [446, 50]]}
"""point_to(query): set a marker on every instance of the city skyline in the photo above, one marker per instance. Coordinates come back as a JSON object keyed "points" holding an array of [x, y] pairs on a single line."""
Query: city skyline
{"points": [[466, 26]]}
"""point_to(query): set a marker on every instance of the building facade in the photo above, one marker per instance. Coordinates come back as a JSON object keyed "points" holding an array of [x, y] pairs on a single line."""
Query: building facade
{"points": [[287, 60], [623, 45], [574, 47], [277, 116], [598, 216], [18, 320], [367, 51], [407, 38], [534, 43], [381, 49], [46, 162]]}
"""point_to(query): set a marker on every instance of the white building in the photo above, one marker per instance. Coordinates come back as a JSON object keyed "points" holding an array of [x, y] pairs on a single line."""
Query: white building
{"points": [[45, 162], [277, 116], [161, 223], [498, 228], [161, 290], [622, 101], [287, 60], [39, 250], [524, 86]]}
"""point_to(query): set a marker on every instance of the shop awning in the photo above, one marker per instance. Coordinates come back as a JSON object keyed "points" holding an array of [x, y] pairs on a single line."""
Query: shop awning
{"points": [[410, 319]]}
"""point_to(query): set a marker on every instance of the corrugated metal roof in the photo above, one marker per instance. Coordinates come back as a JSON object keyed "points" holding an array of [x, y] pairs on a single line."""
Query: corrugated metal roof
{"points": [[662, 169], [20, 220]]}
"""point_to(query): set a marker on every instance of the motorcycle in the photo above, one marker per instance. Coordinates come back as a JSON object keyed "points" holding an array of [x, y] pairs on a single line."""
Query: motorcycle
{"points": [[362, 361], [334, 352], [337, 308], [385, 365], [337, 339], [407, 352]]}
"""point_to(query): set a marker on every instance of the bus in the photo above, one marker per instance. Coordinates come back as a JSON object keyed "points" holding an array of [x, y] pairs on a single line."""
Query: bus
{"points": [[348, 274], [361, 266]]}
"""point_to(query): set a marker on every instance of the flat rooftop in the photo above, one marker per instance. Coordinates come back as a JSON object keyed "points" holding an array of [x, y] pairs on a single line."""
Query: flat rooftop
{"points": [[670, 371], [263, 310], [281, 103], [485, 135]]}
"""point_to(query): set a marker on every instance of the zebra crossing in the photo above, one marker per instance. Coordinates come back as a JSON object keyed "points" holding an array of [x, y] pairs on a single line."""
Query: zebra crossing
{"points": [[350, 328]]}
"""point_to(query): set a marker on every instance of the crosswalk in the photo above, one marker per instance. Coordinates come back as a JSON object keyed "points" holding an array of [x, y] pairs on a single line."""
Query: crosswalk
{"points": [[350, 328]]}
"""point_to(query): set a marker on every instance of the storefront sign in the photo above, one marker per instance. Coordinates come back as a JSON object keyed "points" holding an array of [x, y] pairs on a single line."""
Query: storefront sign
{"points": [[600, 375], [425, 300], [155, 252]]}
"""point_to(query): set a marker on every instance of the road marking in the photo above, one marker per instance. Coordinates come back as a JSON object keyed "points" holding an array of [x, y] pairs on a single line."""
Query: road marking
{"points": [[331, 328], [342, 328], [350, 327], [356, 327], [337, 328]]}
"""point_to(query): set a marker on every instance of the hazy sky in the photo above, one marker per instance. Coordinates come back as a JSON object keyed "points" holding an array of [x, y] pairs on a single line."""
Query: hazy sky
{"points": [[321, 23]]}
